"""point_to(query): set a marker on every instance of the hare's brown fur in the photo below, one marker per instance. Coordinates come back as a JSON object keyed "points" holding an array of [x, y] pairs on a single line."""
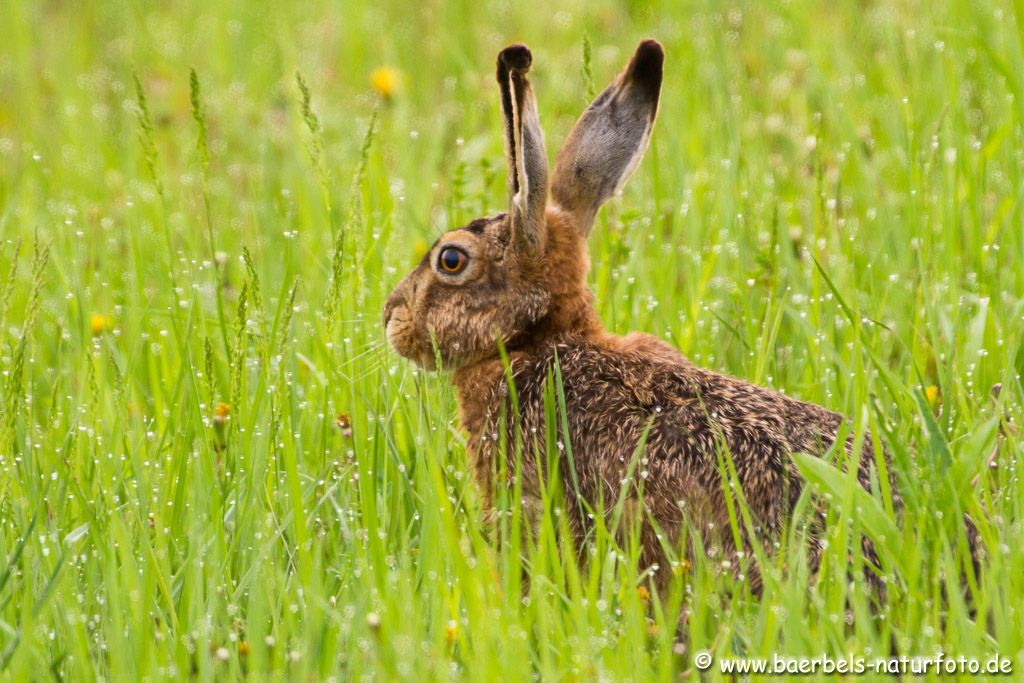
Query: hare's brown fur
{"points": [[525, 286], [617, 387]]}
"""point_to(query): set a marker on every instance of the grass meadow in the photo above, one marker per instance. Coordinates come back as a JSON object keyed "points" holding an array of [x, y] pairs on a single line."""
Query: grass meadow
{"points": [[212, 467]]}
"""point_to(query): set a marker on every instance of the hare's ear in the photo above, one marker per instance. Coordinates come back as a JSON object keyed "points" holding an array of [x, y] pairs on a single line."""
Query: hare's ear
{"points": [[610, 137], [524, 151]]}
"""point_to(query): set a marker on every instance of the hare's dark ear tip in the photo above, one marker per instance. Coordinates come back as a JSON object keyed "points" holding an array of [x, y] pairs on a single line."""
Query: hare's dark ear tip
{"points": [[645, 68], [515, 58], [648, 61], [651, 46]]}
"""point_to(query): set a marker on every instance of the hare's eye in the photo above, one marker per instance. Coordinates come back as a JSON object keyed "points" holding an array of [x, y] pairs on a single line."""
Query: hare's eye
{"points": [[452, 260]]}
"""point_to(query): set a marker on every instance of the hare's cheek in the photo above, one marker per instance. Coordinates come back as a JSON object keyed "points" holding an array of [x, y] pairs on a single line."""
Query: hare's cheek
{"points": [[455, 336]]}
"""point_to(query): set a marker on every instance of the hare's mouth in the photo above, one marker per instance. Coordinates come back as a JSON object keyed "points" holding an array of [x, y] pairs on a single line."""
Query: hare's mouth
{"points": [[398, 330]]}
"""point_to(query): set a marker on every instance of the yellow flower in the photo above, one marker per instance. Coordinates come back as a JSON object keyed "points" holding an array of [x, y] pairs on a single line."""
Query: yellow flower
{"points": [[221, 413], [451, 632], [243, 648], [931, 393], [644, 595], [99, 324], [419, 249], [385, 81]]}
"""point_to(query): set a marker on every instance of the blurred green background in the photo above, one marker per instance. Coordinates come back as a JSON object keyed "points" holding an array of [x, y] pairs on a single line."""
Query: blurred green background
{"points": [[210, 464]]}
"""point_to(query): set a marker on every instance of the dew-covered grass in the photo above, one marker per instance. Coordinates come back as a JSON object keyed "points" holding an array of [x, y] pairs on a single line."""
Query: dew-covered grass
{"points": [[211, 466]]}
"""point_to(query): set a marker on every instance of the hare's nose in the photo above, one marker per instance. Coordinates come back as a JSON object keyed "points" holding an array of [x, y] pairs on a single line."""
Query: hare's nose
{"points": [[389, 308]]}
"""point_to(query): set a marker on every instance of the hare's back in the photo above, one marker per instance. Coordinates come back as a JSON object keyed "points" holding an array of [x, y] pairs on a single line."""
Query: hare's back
{"points": [[687, 420]]}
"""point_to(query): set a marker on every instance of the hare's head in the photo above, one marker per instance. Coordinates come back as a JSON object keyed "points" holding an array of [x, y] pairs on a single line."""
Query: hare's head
{"points": [[521, 275]]}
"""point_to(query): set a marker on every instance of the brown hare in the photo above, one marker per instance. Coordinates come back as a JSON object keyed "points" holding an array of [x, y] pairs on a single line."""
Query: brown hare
{"points": [[518, 280]]}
